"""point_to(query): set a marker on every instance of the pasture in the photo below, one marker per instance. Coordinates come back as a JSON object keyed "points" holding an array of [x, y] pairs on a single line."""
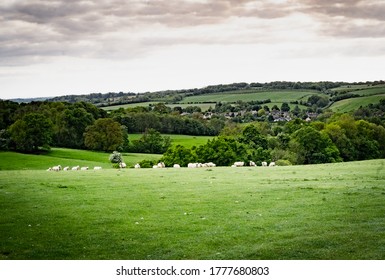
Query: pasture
{"points": [[278, 96], [347, 105], [178, 139], [330, 211]]}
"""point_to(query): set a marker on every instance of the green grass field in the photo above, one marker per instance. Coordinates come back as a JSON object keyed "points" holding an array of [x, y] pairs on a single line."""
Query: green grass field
{"points": [[177, 139], [275, 96], [351, 104], [65, 157], [330, 211]]}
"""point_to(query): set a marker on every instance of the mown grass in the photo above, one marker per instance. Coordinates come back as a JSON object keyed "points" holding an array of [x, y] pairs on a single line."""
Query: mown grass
{"points": [[177, 139], [331, 211]]}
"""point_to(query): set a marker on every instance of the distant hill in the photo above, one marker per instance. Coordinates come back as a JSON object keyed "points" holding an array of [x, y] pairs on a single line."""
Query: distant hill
{"points": [[29, 100]]}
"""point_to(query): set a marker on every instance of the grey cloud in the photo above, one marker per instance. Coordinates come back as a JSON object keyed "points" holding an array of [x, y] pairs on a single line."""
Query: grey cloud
{"points": [[349, 18], [55, 27]]}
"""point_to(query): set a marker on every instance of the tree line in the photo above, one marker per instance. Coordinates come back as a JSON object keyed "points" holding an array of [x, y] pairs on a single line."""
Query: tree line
{"points": [[332, 137]]}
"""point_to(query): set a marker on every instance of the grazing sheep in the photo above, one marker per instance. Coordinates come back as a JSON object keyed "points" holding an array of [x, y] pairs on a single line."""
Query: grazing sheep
{"points": [[252, 163], [210, 164], [272, 163], [155, 166], [56, 168], [239, 163], [122, 165], [176, 165], [76, 168], [84, 168], [137, 165], [264, 163], [192, 165], [66, 168], [161, 165], [97, 168]]}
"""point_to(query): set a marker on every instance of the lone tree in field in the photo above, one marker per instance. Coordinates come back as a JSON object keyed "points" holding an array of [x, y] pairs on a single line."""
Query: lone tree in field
{"points": [[104, 135]]}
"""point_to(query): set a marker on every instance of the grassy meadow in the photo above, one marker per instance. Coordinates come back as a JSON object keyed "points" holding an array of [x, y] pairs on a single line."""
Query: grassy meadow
{"points": [[178, 139], [330, 211], [348, 105]]}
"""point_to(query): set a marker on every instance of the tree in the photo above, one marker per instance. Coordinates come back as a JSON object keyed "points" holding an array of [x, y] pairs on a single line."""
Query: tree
{"points": [[151, 142], [313, 146], [72, 125], [180, 155], [285, 107], [104, 135], [32, 131]]}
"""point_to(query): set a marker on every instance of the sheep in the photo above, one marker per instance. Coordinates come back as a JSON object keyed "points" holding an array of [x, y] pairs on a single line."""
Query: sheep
{"points": [[76, 168], [239, 163], [122, 165], [192, 165], [56, 168], [176, 165], [84, 168], [272, 163], [137, 166], [97, 168], [161, 165], [155, 166], [210, 164], [49, 169], [264, 163], [252, 163], [66, 168]]}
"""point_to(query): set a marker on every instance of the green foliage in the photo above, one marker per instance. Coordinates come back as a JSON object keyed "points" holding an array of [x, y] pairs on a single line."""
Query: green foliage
{"points": [[222, 151], [104, 135], [147, 163], [283, 162], [30, 132], [313, 146], [151, 142], [180, 155]]}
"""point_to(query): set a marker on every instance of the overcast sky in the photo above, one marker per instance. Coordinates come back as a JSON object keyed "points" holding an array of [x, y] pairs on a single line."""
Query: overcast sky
{"points": [[60, 47]]}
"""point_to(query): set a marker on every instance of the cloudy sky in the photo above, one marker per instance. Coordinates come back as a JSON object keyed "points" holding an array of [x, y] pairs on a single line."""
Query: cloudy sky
{"points": [[59, 47]]}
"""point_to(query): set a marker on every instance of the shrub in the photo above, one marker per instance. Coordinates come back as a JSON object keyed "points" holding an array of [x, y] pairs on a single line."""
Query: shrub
{"points": [[283, 162], [116, 157]]}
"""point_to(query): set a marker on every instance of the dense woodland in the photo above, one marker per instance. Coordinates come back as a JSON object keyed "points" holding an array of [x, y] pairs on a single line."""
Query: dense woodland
{"points": [[330, 137]]}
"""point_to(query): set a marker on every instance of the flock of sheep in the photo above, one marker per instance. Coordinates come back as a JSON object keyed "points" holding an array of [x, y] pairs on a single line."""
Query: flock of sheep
{"points": [[208, 164], [67, 168], [160, 165]]}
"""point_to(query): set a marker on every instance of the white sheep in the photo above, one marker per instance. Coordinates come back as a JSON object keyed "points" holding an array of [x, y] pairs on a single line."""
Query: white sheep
{"points": [[56, 168], [264, 163], [122, 165], [66, 168], [161, 165], [84, 168], [252, 163], [272, 163], [192, 165], [176, 165], [97, 168], [76, 168], [137, 166], [239, 163]]}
